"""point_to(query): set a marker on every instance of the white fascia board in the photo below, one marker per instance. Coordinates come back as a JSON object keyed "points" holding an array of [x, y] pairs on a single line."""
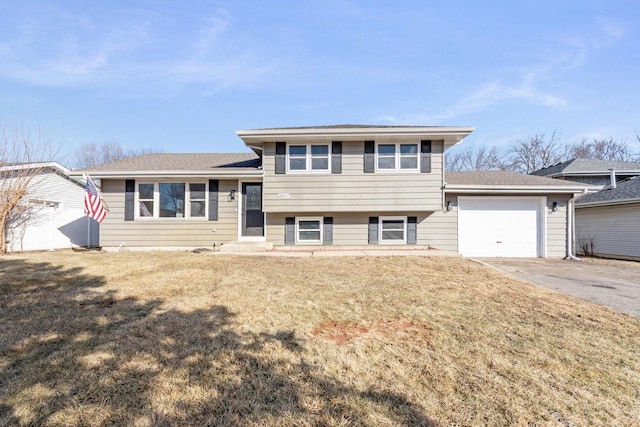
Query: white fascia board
{"points": [[608, 203], [501, 189], [39, 165], [171, 174], [454, 134]]}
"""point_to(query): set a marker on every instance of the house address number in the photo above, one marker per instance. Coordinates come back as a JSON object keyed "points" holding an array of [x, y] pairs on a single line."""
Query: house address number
{"points": [[284, 196]]}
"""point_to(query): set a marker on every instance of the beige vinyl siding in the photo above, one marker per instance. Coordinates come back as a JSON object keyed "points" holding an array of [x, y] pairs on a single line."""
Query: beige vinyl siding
{"points": [[557, 226], [349, 229], [614, 230], [440, 230], [167, 232], [353, 190]]}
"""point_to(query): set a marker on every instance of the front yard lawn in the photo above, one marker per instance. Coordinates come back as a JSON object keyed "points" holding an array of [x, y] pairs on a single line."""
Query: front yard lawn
{"points": [[152, 338]]}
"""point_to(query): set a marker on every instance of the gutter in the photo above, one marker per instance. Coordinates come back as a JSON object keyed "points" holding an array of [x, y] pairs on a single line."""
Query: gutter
{"points": [[571, 226]]}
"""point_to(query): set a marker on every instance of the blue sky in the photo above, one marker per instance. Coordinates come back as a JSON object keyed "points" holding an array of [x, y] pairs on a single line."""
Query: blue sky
{"points": [[185, 75]]}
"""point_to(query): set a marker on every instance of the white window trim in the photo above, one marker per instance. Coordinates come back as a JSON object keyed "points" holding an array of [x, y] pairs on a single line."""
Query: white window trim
{"points": [[396, 241], [156, 201], [309, 218], [308, 158], [398, 157]]}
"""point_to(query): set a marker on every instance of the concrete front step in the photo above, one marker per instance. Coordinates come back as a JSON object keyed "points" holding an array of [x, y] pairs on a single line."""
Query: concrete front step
{"points": [[246, 247]]}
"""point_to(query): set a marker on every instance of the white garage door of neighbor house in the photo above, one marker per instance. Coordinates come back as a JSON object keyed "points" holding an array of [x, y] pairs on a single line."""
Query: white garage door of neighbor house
{"points": [[501, 226]]}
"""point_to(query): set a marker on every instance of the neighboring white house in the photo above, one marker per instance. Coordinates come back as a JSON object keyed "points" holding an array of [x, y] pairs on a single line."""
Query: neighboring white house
{"points": [[608, 222], [55, 219]]}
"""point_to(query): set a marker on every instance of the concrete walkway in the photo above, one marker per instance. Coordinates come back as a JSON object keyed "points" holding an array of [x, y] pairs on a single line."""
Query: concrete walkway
{"points": [[353, 252]]}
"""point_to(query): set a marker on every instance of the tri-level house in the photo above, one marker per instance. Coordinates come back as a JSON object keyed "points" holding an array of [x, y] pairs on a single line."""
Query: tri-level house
{"points": [[345, 185]]}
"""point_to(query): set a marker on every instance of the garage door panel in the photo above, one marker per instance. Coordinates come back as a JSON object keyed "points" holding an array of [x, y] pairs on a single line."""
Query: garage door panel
{"points": [[499, 227]]}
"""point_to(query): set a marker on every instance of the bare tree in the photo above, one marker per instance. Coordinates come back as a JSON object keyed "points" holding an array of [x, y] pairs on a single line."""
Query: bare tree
{"points": [[474, 158], [106, 152], [533, 153], [23, 153], [603, 149]]}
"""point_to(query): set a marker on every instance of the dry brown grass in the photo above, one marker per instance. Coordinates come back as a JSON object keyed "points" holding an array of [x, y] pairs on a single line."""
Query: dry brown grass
{"points": [[149, 339]]}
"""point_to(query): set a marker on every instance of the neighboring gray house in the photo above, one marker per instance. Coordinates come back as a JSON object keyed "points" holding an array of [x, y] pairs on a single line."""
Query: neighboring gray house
{"points": [[55, 216], [344, 185], [590, 171], [608, 222]]}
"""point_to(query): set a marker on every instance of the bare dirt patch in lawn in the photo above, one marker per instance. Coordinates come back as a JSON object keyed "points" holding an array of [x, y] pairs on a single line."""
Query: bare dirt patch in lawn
{"points": [[149, 339]]}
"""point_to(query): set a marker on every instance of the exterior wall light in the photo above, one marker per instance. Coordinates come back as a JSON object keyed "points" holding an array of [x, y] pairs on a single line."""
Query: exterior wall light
{"points": [[449, 206], [554, 207], [232, 195]]}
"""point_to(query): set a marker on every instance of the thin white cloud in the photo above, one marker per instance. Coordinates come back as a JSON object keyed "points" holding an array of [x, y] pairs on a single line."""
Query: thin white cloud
{"points": [[133, 55]]}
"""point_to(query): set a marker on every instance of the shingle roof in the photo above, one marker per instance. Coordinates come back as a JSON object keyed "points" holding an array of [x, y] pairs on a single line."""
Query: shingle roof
{"points": [[498, 177], [587, 166], [185, 162], [626, 190]]}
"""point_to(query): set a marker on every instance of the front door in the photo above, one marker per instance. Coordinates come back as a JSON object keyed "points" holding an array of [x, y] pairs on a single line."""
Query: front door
{"points": [[252, 215]]}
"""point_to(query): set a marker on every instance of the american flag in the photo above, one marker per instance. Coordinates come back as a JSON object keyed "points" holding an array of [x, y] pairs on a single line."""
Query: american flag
{"points": [[93, 205]]}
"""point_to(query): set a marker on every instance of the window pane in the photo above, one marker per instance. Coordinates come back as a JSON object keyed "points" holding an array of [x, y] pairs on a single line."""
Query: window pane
{"points": [[146, 209], [145, 191], [393, 235], [408, 149], [320, 164], [197, 209], [309, 225], [408, 163], [297, 164], [386, 149], [171, 199], [392, 225], [297, 150], [386, 163], [322, 150], [309, 235], [197, 191]]}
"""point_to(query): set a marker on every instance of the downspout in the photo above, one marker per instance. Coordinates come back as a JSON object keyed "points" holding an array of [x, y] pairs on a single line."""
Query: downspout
{"points": [[571, 226]]}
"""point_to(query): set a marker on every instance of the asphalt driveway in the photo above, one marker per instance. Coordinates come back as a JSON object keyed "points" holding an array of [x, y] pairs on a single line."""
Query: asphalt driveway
{"points": [[615, 284]]}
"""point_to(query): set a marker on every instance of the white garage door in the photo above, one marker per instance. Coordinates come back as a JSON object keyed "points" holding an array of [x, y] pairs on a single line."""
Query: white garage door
{"points": [[501, 226]]}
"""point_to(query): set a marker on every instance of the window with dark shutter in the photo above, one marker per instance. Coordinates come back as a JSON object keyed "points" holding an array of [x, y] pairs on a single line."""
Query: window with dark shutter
{"points": [[412, 230], [373, 230], [328, 230], [281, 157], [336, 157], [425, 156], [213, 199], [129, 199], [369, 156], [289, 231]]}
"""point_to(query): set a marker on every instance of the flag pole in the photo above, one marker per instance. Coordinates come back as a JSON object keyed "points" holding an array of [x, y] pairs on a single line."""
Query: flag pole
{"points": [[86, 177]]}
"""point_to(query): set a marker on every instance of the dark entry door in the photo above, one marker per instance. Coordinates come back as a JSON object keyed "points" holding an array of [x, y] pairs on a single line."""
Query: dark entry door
{"points": [[252, 215]]}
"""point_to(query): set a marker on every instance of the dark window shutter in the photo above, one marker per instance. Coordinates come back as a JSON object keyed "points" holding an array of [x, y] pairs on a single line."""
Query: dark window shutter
{"points": [[289, 231], [425, 156], [129, 198], [412, 230], [369, 156], [328, 230], [213, 199], [373, 230], [281, 157], [336, 157]]}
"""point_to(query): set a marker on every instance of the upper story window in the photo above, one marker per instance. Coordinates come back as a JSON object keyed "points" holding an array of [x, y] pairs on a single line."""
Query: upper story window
{"points": [[308, 158], [397, 157], [171, 200]]}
